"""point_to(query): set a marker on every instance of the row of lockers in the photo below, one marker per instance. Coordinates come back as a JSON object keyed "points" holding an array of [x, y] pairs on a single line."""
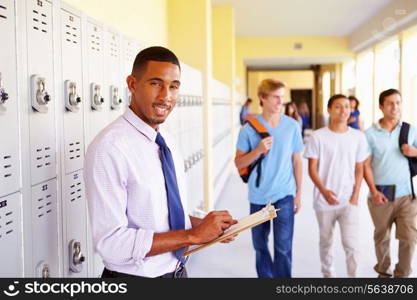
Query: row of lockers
{"points": [[62, 79]]}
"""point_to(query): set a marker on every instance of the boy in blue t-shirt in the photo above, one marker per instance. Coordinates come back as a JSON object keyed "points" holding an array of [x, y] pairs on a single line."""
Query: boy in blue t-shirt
{"points": [[280, 179]]}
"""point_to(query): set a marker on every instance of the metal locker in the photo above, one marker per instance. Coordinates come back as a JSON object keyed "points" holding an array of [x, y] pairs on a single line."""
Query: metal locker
{"points": [[112, 74], [97, 105], [72, 87], [41, 91], [75, 237], [11, 259], [130, 50], [44, 229], [9, 137]]}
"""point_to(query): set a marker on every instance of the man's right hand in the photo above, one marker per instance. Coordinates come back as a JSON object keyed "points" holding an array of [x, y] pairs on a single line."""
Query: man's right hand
{"points": [[330, 197], [211, 227], [378, 198], [265, 145]]}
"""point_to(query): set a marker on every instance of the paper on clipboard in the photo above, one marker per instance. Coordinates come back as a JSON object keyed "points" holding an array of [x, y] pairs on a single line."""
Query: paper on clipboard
{"points": [[267, 213]]}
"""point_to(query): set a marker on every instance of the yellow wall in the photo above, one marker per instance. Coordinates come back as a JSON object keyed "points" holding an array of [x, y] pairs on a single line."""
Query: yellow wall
{"points": [[224, 48], [143, 20], [292, 79], [188, 35], [270, 47]]}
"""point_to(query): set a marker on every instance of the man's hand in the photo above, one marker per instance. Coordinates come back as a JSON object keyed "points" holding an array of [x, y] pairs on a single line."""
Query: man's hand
{"points": [[297, 203], [211, 227], [354, 199], [409, 150], [265, 145], [330, 197], [378, 198]]}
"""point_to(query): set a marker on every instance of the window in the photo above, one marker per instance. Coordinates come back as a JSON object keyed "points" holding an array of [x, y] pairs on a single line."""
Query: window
{"points": [[364, 86]]}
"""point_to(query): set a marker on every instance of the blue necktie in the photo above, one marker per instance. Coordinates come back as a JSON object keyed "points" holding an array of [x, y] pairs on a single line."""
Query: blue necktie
{"points": [[175, 209]]}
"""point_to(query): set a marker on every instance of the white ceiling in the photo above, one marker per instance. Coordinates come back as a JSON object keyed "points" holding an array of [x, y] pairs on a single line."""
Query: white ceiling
{"points": [[301, 17]]}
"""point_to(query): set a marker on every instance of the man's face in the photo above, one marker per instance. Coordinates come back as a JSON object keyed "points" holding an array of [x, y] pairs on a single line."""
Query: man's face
{"points": [[273, 101], [339, 112], [391, 108], [155, 91]]}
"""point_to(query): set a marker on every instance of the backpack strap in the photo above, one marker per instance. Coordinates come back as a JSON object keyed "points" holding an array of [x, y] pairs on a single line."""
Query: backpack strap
{"points": [[263, 132], [259, 128], [405, 128]]}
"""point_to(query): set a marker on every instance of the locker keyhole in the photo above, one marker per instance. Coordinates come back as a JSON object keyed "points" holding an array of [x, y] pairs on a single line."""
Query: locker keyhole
{"points": [[76, 257], [3, 95], [40, 96], [97, 99], [116, 100], [45, 271], [72, 99]]}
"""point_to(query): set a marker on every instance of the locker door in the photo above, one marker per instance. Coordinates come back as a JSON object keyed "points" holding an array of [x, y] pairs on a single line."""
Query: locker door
{"points": [[97, 106], [112, 74], [9, 137], [75, 247], [11, 261], [41, 91], [44, 229], [130, 50], [72, 105]]}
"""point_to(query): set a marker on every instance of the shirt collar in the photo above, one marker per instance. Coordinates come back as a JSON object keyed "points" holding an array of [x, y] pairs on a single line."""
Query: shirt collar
{"points": [[139, 124], [378, 125]]}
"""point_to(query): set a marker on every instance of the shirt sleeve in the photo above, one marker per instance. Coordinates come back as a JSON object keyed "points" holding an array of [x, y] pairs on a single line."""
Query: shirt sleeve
{"points": [[363, 149], [243, 142], [298, 145], [413, 136], [368, 134], [312, 147], [105, 175]]}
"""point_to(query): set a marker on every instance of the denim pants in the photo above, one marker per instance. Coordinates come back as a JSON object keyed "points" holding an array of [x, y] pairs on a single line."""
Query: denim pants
{"points": [[283, 226]]}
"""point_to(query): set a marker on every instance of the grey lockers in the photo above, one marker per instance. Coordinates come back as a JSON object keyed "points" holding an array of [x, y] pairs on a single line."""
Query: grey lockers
{"points": [[11, 260], [62, 80]]}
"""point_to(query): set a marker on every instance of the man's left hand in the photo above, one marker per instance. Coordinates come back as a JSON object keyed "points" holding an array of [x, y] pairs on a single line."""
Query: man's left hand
{"points": [[297, 203], [409, 150]]}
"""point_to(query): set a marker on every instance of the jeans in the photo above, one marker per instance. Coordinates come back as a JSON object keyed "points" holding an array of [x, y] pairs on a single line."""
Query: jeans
{"points": [[283, 226]]}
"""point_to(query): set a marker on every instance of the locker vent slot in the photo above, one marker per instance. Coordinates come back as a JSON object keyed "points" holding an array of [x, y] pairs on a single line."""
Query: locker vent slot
{"points": [[74, 150], [3, 14], [75, 191], [7, 167], [95, 42], [40, 21]]}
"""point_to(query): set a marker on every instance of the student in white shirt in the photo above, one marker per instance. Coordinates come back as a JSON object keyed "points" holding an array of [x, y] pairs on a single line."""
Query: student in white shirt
{"points": [[127, 184], [336, 155]]}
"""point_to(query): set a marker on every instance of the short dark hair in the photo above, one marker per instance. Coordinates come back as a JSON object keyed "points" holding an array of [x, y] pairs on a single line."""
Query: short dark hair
{"points": [[353, 98], [155, 53], [387, 93], [333, 98]]}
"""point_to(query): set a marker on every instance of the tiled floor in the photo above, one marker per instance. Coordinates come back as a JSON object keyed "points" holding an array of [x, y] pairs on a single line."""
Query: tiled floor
{"points": [[237, 259]]}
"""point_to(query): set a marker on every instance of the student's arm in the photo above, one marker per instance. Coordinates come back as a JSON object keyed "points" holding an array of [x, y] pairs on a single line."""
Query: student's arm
{"points": [[409, 150], [376, 196], [312, 171], [298, 175], [244, 159], [358, 181]]}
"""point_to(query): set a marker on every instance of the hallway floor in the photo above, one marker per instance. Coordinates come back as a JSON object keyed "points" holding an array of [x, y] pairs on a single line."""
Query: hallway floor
{"points": [[237, 259]]}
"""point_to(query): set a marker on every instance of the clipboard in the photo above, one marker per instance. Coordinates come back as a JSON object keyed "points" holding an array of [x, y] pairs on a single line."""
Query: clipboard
{"points": [[265, 214]]}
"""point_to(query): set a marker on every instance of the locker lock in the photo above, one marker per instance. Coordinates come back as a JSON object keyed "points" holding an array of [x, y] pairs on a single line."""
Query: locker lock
{"points": [[3, 96], [76, 258], [42, 270], [72, 100], [39, 95], [129, 96], [115, 100], [96, 99]]}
